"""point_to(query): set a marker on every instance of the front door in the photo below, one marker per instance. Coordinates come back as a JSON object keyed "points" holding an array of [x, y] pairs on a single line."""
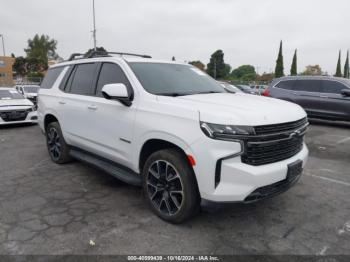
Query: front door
{"points": [[111, 123]]}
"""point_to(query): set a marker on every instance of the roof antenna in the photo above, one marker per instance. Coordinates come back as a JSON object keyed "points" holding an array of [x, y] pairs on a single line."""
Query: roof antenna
{"points": [[94, 23]]}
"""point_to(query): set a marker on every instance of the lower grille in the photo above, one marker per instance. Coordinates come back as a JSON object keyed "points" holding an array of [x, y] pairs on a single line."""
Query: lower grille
{"points": [[10, 116], [271, 190]]}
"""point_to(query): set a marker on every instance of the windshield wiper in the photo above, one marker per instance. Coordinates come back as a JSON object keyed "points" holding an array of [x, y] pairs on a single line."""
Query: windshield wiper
{"points": [[207, 92], [173, 94]]}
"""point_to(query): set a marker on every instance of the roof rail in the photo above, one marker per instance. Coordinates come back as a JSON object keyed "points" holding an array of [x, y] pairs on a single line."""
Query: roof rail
{"points": [[129, 54], [94, 54], [74, 55]]}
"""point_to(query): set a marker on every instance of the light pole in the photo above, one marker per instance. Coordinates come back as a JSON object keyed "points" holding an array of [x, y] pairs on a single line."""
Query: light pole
{"points": [[3, 44], [94, 22]]}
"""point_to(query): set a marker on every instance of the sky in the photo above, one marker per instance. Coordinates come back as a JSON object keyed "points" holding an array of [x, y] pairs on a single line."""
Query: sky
{"points": [[248, 31]]}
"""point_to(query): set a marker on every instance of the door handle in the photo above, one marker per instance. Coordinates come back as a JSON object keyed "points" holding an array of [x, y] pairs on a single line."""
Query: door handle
{"points": [[92, 107], [323, 96], [62, 102]]}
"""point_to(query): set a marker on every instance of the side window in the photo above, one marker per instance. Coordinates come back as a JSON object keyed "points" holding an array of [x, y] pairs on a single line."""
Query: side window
{"points": [[335, 87], [65, 78], [288, 85], [308, 85], [82, 79], [51, 77], [111, 74]]}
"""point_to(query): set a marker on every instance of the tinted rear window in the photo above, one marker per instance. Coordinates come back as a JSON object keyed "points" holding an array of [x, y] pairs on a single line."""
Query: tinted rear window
{"points": [[51, 77], [307, 85], [83, 78], [332, 87], [288, 85]]}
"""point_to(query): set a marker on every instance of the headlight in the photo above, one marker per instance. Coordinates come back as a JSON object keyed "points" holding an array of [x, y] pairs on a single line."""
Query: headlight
{"points": [[226, 132]]}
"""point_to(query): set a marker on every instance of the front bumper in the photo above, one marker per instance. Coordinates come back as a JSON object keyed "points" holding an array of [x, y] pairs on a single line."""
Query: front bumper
{"points": [[238, 181], [32, 118]]}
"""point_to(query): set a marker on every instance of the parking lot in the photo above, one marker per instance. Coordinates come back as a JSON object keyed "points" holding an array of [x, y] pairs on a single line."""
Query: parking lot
{"points": [[74, 209]]}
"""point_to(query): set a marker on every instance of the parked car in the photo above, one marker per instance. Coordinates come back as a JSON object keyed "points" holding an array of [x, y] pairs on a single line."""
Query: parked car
{"points": [[171, 128], [258, 89], [246, 89], [15, 109], [29, 91], [230, 88], [320, 96]]}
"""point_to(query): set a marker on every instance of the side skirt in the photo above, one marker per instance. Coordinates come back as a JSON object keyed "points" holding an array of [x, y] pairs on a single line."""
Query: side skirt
{"points": [[122, 173]]}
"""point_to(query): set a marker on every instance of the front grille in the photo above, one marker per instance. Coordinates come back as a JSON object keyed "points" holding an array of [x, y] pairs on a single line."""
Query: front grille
{"points": [[278, 128], [274, 143], [18, 115]]}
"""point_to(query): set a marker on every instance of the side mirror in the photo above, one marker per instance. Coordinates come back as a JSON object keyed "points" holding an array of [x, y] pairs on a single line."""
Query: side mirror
{"points": [[345, 92], [117, 92]]}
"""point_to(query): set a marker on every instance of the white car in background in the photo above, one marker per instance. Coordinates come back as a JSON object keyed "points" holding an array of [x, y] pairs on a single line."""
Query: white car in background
{"points": [[14, 108], [29, 91]]}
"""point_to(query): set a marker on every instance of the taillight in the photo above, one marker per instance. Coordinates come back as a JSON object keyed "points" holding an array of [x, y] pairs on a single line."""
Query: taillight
{"points": [[266, 92]]}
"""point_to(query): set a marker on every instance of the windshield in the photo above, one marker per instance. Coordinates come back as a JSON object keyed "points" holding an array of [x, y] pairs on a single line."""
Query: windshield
{"points": [[174, 79], [10, 94], [243, 87], [231, 88], [31, 89]]}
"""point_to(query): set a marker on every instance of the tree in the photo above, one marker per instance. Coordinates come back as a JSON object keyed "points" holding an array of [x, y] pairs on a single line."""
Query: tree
{"points": [[279, 70], [227, 70], [198, 64], [312, 70], [293, 69], [265, 77], [20, 66], [338, 71], [100, 50], [346, 66], [244, 71], [41, 48], [217, 67], [173, 59]]}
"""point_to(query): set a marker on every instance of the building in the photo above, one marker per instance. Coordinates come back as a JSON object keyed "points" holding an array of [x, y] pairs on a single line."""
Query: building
{"points": [[6, 71]]}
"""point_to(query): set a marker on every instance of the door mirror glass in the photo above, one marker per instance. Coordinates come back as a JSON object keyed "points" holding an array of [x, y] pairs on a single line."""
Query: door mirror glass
{"points": [[116, 92], [345, 92]]}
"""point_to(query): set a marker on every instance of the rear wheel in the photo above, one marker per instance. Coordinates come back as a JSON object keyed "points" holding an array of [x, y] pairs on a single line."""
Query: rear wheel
{"points": [[56, 145], [170, 186]]}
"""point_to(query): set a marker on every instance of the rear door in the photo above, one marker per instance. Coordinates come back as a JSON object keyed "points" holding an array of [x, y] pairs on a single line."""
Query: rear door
{"points": [[306, 93], [79, 91], [336, 106]]}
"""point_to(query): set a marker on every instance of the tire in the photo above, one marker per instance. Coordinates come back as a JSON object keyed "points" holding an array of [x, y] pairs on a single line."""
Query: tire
{"points": [[56, 145], [165, 174]]}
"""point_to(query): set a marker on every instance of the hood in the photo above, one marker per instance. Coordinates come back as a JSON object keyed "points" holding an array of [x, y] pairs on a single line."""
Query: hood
{"points": [[242, 109], [12, 103]]}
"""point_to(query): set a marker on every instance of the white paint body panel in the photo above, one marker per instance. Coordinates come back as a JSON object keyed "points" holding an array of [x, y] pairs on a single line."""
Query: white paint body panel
{"points": [[173, 119]]}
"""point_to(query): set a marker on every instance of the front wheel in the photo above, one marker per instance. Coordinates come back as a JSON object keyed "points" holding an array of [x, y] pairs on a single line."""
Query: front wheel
{"points": [[170, 186], [56, 145]]}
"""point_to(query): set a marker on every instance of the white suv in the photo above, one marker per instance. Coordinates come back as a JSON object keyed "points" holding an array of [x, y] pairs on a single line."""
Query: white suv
{"points": [[172, 129]]}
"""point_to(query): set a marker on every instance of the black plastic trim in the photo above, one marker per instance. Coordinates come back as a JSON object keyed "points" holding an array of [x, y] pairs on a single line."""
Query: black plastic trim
{"points": [[119, 171]]}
